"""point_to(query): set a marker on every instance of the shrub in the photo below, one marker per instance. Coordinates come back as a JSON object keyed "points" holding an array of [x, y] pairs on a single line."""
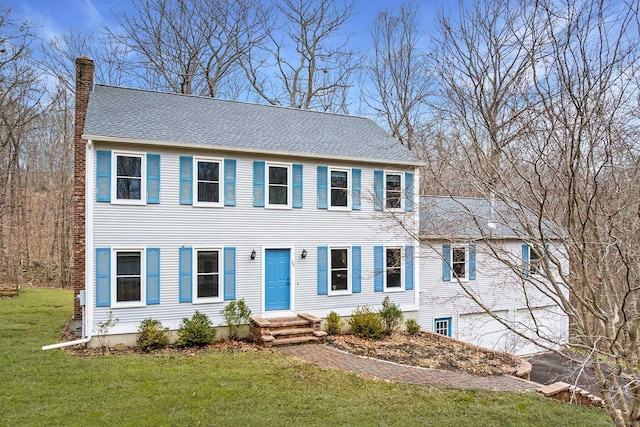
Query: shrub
{"points": [[412, 326], [197, 331], [236, 314], [366, 323], [151, 335], [391, 315], [333, 324]]}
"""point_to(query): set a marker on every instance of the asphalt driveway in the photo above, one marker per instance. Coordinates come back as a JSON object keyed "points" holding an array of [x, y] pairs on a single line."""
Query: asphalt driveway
{"points": [[548, 368]]}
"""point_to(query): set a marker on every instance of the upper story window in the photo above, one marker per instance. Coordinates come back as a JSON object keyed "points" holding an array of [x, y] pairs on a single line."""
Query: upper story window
{"points": [[130, 178], [207, 277], [339, 181], [393, 273], [207, 183], [393, 190], [278, 186], [459, 261], [340, 282], [535, 262]]}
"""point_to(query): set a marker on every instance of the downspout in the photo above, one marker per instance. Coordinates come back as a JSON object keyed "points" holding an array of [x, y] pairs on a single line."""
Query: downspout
{"points": [[85, 296]]}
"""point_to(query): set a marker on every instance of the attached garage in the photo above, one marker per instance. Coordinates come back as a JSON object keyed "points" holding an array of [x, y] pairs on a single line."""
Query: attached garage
{"points": [[484, 330], [547, 322]]}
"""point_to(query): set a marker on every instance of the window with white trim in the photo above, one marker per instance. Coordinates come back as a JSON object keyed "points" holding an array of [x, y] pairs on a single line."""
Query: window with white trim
{"points": [[442, 326], [459, 262], [129, 289], [339, 181], [535, 261], [393, 270], [279, 186], [207, 182], [339, 270], [206, 285], [130, 178], [393, 190]]}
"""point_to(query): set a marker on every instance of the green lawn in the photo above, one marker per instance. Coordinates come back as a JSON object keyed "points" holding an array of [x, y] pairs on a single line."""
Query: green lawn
{"points": [[223, 388]]}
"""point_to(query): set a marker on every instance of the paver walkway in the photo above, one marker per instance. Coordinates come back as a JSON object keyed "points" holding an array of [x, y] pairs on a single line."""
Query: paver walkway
{"points": [[330, 357]]}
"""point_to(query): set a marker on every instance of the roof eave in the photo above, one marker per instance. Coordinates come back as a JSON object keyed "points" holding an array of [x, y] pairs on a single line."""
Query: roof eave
{"points": [[103, 138]]}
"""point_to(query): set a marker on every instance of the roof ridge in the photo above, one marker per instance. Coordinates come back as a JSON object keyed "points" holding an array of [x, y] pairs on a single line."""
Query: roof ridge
{"points": [[234, 101]]}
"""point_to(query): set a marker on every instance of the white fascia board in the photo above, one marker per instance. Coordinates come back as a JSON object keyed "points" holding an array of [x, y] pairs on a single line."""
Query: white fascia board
{"points": [[250, 150]]}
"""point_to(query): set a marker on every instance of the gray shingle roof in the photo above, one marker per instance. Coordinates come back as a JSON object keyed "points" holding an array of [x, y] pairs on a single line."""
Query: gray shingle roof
{"points": [[467, 217], [139, 115]]}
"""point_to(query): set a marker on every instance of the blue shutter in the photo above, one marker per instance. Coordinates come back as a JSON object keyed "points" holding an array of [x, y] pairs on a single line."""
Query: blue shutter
{"points": [[446, 262], [378, 268], [408, 267], [153, 276], [323, 188], [525, 260], [297, 186], [229, 182], [186, 180], [103, 176], [258, 184], [472, 261], [356, 269], [185, 279], [408, 192], [356, 203], [229, 273], [378, 190], [153, 178], [323, 271], [103, 277]]}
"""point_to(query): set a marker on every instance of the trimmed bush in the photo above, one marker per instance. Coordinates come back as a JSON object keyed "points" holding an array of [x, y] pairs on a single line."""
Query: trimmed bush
{"points": [[197, 331], [412, 326], [366, 323], [391, 316], [333, 324], [151, 335], [236, 315]]}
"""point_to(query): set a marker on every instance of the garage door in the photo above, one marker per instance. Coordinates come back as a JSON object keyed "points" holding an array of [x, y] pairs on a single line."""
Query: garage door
{"points": [[483, 330], [547, 322]]}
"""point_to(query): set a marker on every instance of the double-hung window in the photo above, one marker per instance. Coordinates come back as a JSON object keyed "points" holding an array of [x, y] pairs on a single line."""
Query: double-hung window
{"points": [[279, 194], [130, 178], [393, 271], [459, 262], [207, 183], [339, 182], [129, 289], [340, 271], [207, 277], [393, 190], [535, 261]]}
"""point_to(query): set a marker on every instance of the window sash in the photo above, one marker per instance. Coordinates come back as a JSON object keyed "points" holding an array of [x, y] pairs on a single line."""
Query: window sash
{"points": [[393, 190], [128, 177], [441, 327], [278, 177], [208, 181], [339, 269], [393, 265], [459, 262], [128, 276], [207, 277], [339, 183], [535, 261]]}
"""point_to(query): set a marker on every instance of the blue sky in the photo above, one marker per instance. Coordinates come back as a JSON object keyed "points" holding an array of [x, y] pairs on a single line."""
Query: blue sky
{"points": [[55, 17]]}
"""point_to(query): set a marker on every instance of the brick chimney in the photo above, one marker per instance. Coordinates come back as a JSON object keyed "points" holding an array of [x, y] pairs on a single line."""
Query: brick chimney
{"points": [[84, 82]]}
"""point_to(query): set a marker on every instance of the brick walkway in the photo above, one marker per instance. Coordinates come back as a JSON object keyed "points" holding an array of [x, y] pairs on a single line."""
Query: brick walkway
{"points": [[326, 356]]}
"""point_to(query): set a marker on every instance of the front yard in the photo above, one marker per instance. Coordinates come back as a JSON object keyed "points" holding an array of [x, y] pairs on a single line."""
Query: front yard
{"points": [[227, 387]]}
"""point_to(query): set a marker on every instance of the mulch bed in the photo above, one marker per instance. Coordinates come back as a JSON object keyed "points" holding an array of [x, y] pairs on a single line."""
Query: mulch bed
{"points": [[429, 350]]}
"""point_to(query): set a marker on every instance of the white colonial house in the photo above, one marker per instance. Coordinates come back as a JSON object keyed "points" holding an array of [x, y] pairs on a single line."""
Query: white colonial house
{"points": [[185, 203], [481, 282]]}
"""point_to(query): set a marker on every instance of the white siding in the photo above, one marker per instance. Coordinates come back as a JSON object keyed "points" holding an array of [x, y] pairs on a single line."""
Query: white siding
{"points": [[169, 226], [497, 288]]}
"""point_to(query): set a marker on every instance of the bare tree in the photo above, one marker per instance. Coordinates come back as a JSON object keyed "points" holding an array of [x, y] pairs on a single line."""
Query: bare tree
{"points": [[306, 62], [398, 72], [190, 46], [539, 103]]}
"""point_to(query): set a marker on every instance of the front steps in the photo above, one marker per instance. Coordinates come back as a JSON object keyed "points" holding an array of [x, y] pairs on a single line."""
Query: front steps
{"points": [[301, 329]]}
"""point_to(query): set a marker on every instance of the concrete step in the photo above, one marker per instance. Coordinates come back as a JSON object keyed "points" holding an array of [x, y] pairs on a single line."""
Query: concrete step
{"points": [[294, 340], [295, 331]]}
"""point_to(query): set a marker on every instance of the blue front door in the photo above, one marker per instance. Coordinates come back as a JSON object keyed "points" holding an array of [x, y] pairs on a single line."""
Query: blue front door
{"points": [[278, 288]]}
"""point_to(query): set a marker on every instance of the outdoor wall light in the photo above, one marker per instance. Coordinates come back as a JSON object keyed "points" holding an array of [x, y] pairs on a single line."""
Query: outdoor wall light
{"points": [[303, 255], [253, 254]]}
